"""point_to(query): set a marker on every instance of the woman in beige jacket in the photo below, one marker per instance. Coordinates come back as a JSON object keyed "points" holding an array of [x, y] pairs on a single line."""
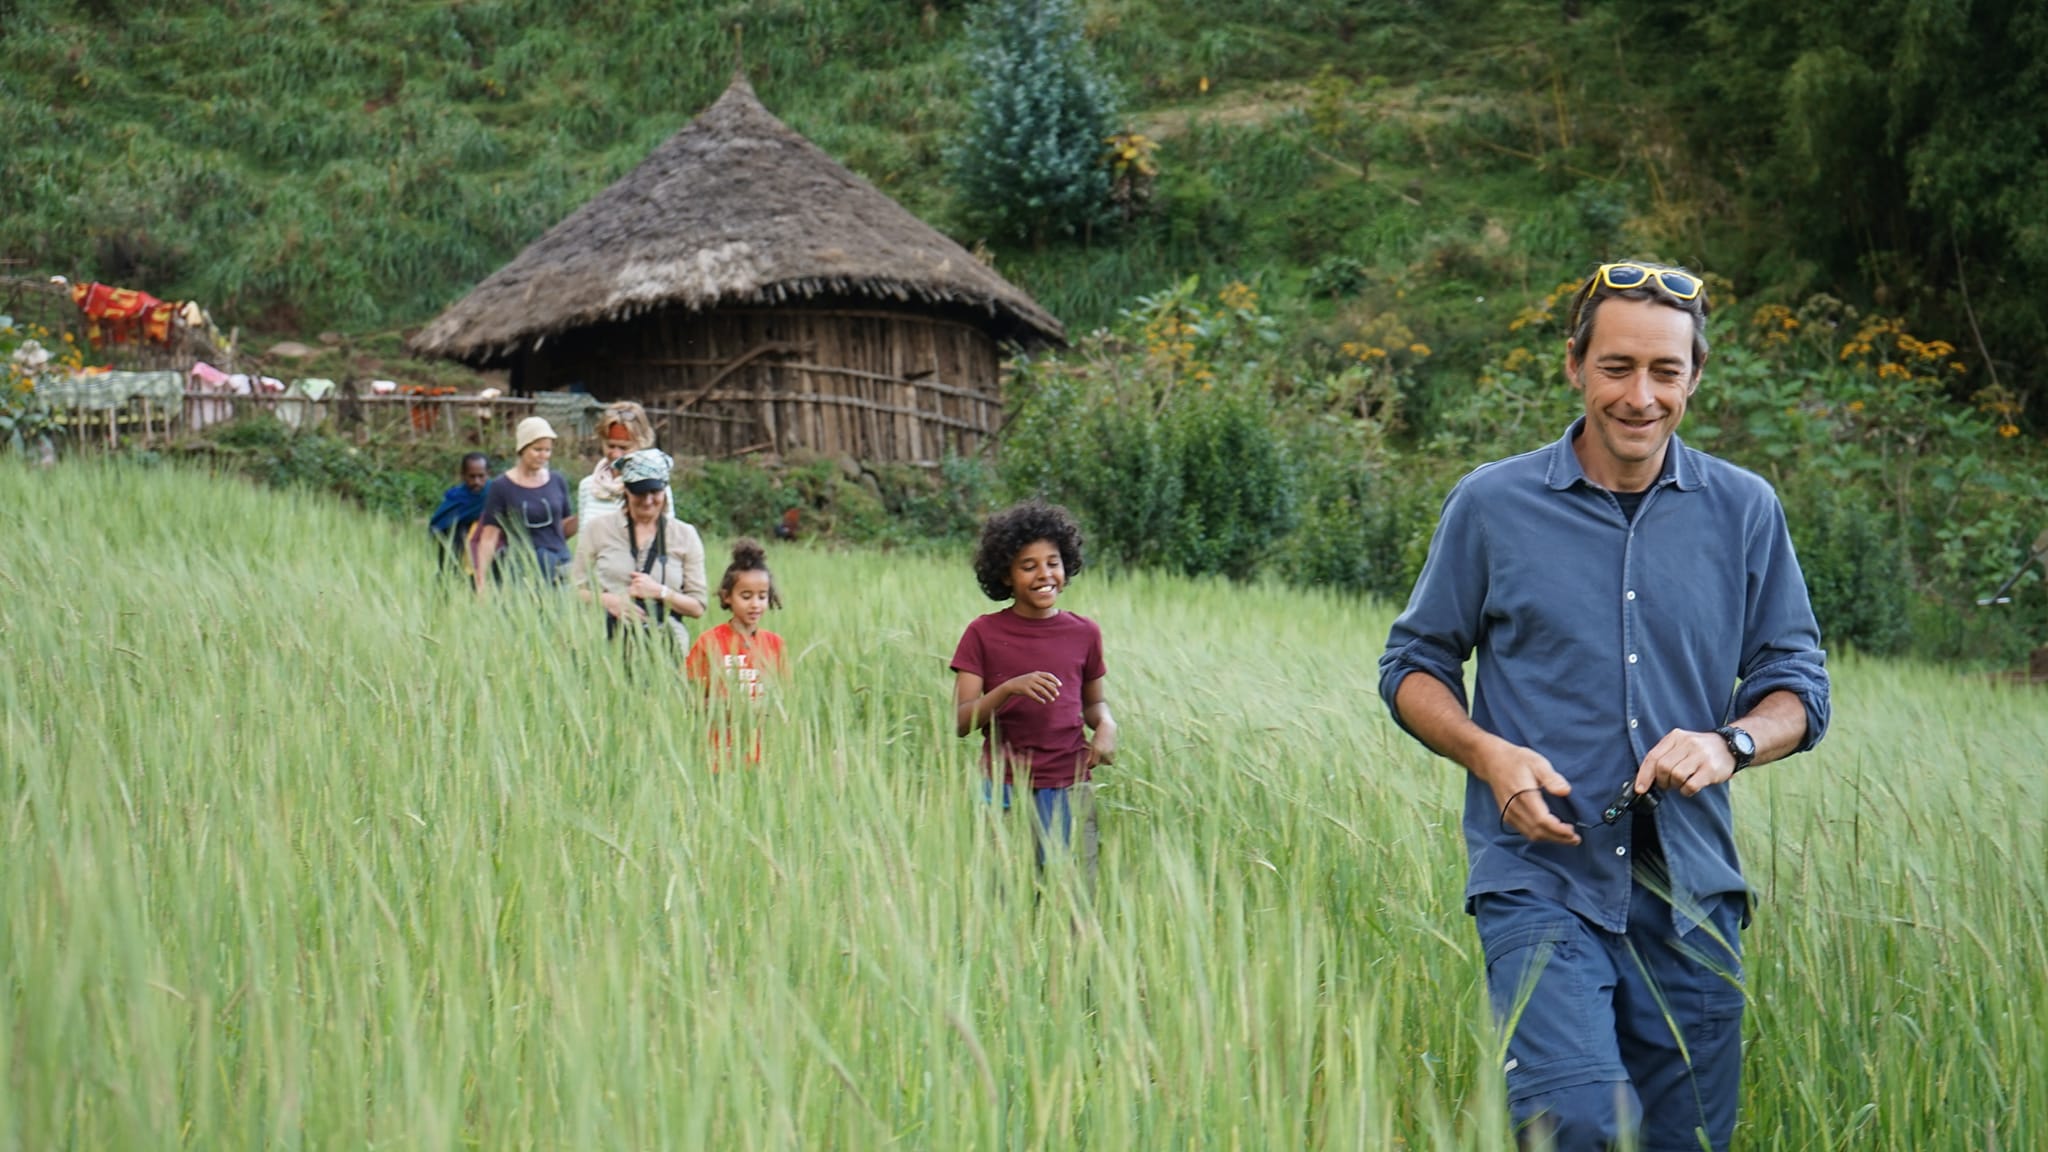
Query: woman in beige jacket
{"points": [[644, 566]]}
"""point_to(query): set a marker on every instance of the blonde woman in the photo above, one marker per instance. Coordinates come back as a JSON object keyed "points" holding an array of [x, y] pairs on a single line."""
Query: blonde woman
{"points": [[528, 501], [644, 566], [621, 428]]}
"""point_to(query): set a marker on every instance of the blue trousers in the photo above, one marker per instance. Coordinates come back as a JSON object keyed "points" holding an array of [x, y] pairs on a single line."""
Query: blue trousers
{"points": [[1061, 816], [1637, 1032]]}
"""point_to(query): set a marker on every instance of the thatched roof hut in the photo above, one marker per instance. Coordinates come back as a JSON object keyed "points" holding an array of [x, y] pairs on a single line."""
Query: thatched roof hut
{"points": [[743, 275]]}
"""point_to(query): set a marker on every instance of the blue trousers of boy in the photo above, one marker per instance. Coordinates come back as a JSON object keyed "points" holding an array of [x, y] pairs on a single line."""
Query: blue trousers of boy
{"points": [[1636, 1032], [1063, 816]]}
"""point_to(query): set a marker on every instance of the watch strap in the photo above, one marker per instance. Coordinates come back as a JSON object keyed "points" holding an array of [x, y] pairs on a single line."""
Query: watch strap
{"points": [[1728, 733]]}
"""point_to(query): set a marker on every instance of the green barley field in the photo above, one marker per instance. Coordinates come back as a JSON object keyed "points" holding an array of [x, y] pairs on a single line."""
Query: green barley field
{"points": [[302, 851]]}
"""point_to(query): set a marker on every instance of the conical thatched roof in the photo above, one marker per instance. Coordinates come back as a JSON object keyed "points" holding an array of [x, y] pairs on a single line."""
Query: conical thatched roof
{"points": [[735, 208]]}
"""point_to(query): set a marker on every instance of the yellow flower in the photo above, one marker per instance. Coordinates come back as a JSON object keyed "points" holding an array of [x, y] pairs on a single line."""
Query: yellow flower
{"points": [[2008, 430], [1418, 349], [1958, 367], [1855, 405], [1238, 296]]}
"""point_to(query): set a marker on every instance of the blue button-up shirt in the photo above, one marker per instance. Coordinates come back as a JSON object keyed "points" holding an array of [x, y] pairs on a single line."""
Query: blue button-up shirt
{"points": [[1596, 637]]}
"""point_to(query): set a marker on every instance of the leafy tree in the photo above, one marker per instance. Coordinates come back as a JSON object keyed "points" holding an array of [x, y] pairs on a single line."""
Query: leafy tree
{"points": [[1900, 144], [1030, 163]]}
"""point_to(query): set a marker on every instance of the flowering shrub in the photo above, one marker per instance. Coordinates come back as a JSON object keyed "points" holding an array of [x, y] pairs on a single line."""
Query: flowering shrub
{"points": [[24, 416], [1158, 434]]}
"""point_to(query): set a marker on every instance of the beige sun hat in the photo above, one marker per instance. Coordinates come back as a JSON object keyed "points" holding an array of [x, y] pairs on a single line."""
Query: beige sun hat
{"points": [[530, 429]]}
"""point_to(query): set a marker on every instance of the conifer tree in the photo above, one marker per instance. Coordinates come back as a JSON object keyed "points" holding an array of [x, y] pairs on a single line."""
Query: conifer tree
{"points": [[1030, 162]]}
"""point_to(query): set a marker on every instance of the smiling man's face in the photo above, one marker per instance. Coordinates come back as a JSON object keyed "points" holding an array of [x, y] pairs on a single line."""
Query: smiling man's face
{"points": [[1635, 376]]}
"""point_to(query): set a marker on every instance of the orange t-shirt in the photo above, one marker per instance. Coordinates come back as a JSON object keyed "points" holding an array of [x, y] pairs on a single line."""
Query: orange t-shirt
{"points": [[734, 667]]}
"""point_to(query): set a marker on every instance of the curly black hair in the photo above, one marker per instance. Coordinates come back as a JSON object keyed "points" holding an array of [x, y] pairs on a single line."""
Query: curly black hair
{"points": [[1008, 532], [747, 556]]}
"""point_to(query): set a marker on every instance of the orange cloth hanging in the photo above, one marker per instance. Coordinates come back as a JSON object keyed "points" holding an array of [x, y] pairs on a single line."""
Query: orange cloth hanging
{"points": [[117, 315]]}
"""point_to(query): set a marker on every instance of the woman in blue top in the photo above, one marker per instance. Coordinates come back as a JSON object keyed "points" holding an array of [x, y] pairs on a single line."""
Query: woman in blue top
{"points": [[531, 502]]}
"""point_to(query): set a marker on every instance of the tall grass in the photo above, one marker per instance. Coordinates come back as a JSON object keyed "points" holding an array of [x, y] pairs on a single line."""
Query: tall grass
{"points": [[302, 849]]}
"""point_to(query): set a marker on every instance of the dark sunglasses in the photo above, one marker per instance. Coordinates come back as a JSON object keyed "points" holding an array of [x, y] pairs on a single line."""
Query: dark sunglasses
{"points": [[1618, 807]]}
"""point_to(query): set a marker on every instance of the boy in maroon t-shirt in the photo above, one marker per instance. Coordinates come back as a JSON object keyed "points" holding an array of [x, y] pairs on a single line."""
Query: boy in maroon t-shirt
{"points": [[1030, 676]]}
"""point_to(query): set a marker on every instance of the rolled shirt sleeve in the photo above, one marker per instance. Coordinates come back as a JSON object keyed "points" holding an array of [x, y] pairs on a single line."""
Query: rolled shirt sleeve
{"points": [[1780, 638], [1436, 632]]}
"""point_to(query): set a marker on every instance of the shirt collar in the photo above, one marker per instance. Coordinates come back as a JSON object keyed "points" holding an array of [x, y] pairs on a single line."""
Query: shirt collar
{"points": [[1565, 470]]}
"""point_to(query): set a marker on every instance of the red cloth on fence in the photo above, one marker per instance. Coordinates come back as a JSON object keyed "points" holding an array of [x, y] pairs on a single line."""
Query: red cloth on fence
{"points": [[117, 315], [424, 415]]}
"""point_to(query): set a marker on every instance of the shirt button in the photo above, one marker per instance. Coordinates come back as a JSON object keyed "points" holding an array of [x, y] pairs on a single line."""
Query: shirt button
{"points": [[1631, 722], [1620, 851], [1631, 593], [1631, 657]]}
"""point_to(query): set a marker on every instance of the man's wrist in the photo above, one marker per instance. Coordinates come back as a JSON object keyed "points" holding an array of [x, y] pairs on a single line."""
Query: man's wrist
{"points": [[1741, 746]]}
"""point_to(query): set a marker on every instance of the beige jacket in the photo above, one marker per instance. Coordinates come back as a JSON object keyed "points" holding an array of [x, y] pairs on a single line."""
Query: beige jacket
{"points": [[604, 548]]}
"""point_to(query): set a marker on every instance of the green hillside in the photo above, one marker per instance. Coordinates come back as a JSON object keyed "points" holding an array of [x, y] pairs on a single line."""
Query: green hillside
{"points": [[1362, 214], [313, 164], [301, 165]]}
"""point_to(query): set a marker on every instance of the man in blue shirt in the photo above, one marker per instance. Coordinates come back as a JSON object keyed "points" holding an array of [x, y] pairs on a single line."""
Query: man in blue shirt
{"points": [[458, 511], [1643, 634]]}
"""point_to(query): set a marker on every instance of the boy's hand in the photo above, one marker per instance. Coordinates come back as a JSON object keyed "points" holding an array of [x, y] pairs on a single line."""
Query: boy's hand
{"points": [[1102, 745], [1043, 687]]}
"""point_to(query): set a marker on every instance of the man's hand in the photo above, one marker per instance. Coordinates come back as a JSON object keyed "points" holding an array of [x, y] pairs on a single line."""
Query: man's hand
{"points": [[1687, 762], [1517, 775], [1043, 687]]}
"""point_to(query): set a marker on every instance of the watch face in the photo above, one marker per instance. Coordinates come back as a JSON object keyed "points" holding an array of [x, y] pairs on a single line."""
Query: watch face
{"points": [[1744, 743]]}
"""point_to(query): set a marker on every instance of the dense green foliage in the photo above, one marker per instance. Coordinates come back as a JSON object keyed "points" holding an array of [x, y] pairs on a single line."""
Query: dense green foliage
{"points": [[306, 851], [1190, 436], [1905, 141], [1028, 162], [403, 477], [1399, 184], [299, 164]]}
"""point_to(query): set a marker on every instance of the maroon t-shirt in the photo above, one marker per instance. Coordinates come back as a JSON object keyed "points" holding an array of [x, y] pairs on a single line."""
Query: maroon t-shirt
{"points": [[1048, 738]]}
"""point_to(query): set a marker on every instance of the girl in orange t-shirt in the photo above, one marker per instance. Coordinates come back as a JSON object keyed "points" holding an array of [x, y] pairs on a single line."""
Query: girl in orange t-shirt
{"points": [[738, 660]]}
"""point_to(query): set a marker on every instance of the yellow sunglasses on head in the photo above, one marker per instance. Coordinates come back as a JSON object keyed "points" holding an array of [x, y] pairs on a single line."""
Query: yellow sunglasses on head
{"points": [[1621, 277]]}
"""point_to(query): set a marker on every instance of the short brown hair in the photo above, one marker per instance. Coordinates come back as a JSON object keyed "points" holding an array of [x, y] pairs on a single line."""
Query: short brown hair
{"points": [[1586, 304]]}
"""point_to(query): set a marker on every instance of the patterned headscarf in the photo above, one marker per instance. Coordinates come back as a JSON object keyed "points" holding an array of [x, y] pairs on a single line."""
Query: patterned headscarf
{"points": [[645, 471]]}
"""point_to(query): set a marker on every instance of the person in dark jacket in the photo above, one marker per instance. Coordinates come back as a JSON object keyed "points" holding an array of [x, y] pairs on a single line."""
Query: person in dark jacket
{"points": [[459, 508]]}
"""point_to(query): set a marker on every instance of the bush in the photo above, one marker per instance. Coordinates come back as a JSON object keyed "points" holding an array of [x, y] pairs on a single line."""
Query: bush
{"points": [[1364, 520], [1236, 495], [1166, 461], [1855, 571], [378, 478]]}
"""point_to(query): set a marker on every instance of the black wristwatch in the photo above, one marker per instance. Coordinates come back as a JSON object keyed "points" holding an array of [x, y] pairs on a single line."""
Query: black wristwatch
{"points": [[1741, 745]]}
